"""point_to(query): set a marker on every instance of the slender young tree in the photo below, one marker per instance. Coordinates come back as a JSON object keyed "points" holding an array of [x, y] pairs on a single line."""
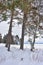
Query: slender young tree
{"points": [[9, 35], [33, 26], [11, 7], [25, 5]]}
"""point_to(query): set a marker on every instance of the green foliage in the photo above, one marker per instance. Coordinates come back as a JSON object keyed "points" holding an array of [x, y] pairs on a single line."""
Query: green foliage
{"points": [[36, 36], [16, 2], [29, 1], [2, 6], [4, 16], [25, 5], [12, 4], [9, 5]]}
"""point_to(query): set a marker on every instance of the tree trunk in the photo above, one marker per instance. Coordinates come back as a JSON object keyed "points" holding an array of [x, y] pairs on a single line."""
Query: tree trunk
{"points": [[9, 35], [9, 41], [23, 28], [9, 47], [32, 45]]}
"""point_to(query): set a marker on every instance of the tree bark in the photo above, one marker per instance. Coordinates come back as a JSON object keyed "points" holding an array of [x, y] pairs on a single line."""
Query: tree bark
{"points": [[32, 45], [23, 28], [9, 35]]}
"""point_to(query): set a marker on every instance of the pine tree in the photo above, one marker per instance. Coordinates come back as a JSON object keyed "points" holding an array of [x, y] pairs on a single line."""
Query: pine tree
{"points": [[25, 6], [5, 7], [11, 6]]}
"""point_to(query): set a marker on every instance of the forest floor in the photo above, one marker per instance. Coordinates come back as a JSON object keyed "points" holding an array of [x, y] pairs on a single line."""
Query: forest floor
{"points": [[21, 57]]}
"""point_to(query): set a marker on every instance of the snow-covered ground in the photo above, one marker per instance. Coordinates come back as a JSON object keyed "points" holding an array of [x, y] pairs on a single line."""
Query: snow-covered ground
{"points": [[21, 57], [17, 56]]}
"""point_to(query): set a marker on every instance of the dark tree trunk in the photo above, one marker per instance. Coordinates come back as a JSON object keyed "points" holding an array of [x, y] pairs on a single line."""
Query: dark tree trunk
{"points": [[9, 47], [6, 44], [9, 35], [9, 32], [0, 38], [9, 41], [23, 28], [32, 45]]}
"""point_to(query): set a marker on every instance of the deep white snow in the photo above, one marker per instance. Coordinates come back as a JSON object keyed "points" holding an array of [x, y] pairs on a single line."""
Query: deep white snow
{"points": [[20, 57]]}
